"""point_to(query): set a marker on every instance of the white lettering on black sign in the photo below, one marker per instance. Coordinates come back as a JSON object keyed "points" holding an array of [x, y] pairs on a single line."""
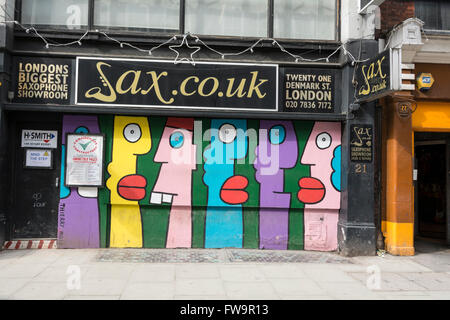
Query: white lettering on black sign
{"points": [[308, 90]]}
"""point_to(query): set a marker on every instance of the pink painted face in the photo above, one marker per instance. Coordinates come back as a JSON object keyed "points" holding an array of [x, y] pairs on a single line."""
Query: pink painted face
{"points": [[322, 153], [177, 155]]}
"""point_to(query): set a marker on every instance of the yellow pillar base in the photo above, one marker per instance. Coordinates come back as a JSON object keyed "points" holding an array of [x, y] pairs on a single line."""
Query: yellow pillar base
{"points": [[399, 238]]}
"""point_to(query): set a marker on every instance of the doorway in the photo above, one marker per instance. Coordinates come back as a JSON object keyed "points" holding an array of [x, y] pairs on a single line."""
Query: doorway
{"points": [[36, 168], [432, 191]]}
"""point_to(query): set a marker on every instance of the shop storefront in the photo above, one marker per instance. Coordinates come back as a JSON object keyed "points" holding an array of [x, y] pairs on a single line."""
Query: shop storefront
{"points": [[155, 181], [117, 139]]}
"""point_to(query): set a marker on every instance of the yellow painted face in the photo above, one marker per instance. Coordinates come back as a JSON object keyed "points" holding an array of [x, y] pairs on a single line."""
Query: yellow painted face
{"points": [[131, 138]]}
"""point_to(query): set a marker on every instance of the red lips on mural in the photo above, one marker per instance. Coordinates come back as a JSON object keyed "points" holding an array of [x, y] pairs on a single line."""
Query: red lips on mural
{"points": [[311, 191], [232, 191], [132, 187]]}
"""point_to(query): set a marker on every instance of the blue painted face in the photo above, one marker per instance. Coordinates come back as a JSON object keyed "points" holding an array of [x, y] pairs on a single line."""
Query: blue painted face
{"points": [[176, 140], [277, 134], [81, 130], [336, 165]]}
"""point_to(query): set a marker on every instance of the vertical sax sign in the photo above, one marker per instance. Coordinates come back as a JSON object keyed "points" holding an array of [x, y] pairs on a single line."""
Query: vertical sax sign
{"points": [[374, 77], [161, 84]]}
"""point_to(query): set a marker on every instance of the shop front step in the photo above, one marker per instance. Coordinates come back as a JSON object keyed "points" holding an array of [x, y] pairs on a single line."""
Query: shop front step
{"points": [[30, 244]]}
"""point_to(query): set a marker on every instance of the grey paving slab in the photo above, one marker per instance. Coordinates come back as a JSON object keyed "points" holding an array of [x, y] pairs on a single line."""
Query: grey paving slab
{"points": [[91, 297], [99, 287], [438, 262], [405, 295], [9, 286], [250, 291], [326, 273], [41, 291], [346, 290], [391, 282], [109, 271], [21, 270], [180, 297], [73, 257], [199, 287], [13, 254], [39, 256], [152, 273], [282, 270], [392, 263], [195, 271], [4, 263], [295, 287], [308, 297], [439, 295], [241, 273], [149, 291], [59, 273], [430, 280]]}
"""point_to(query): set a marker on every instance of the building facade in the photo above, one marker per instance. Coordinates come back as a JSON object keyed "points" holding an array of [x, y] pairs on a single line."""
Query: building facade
{"points": [[188, 124], [415, 133]]}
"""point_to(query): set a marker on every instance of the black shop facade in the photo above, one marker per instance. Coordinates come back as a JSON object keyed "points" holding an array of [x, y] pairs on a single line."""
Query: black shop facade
{"points": [[115, 152]]}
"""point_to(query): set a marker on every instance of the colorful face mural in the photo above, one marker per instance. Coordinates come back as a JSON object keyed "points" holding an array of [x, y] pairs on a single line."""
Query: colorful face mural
{"points": [[321, 191], [234, 183], [78, 215], [174, 185], [131, 138], [225, 189], [277, 151]]}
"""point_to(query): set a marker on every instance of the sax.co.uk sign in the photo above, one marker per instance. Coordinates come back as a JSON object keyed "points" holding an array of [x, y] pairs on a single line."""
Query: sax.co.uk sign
{"points": [[377, 77], [144, 83]]}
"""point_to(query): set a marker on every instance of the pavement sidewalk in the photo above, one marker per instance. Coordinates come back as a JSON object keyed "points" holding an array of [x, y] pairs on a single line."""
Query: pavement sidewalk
{"points": [[221, 274]]}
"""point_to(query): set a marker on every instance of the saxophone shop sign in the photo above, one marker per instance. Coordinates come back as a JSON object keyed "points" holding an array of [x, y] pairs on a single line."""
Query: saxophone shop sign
{"points": [[42, 80], [150, 83], [374, 77]]}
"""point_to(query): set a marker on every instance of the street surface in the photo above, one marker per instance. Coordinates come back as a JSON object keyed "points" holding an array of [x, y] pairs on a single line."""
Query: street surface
{"points": [[225, 274]]}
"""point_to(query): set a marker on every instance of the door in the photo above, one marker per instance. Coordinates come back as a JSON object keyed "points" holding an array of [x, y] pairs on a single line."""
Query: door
{"points": [[432, 188], [448, 191], [35, 188]]}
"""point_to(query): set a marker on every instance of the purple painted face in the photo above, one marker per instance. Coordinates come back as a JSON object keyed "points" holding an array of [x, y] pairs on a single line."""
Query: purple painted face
{"points": [[277, 148]]}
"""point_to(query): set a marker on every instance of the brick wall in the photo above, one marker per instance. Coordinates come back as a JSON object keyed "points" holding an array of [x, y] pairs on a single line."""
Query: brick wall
{"points": [[394, 12]]}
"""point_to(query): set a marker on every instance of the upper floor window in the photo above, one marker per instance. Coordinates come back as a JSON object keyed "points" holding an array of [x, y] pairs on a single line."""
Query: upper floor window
{"points": [[162, 15], [72, 14], [305, 19], [290, 19], [435, 14]]}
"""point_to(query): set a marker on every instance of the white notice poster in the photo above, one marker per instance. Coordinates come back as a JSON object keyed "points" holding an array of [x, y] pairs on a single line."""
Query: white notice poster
{"points": [[84, 160], [38, 158]]}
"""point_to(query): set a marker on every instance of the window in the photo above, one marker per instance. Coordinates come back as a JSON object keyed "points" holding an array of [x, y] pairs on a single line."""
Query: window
{"points": [[290, 19], [71, 14], [243, 18], [304, 19], [435, 14], [137, 14]]}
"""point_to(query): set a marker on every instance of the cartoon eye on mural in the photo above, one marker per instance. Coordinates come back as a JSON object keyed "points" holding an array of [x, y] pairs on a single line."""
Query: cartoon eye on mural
{"points": [[176, 152], [277, 150], [78, 214], [321, 191], [131, 138], [224, 227]]}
